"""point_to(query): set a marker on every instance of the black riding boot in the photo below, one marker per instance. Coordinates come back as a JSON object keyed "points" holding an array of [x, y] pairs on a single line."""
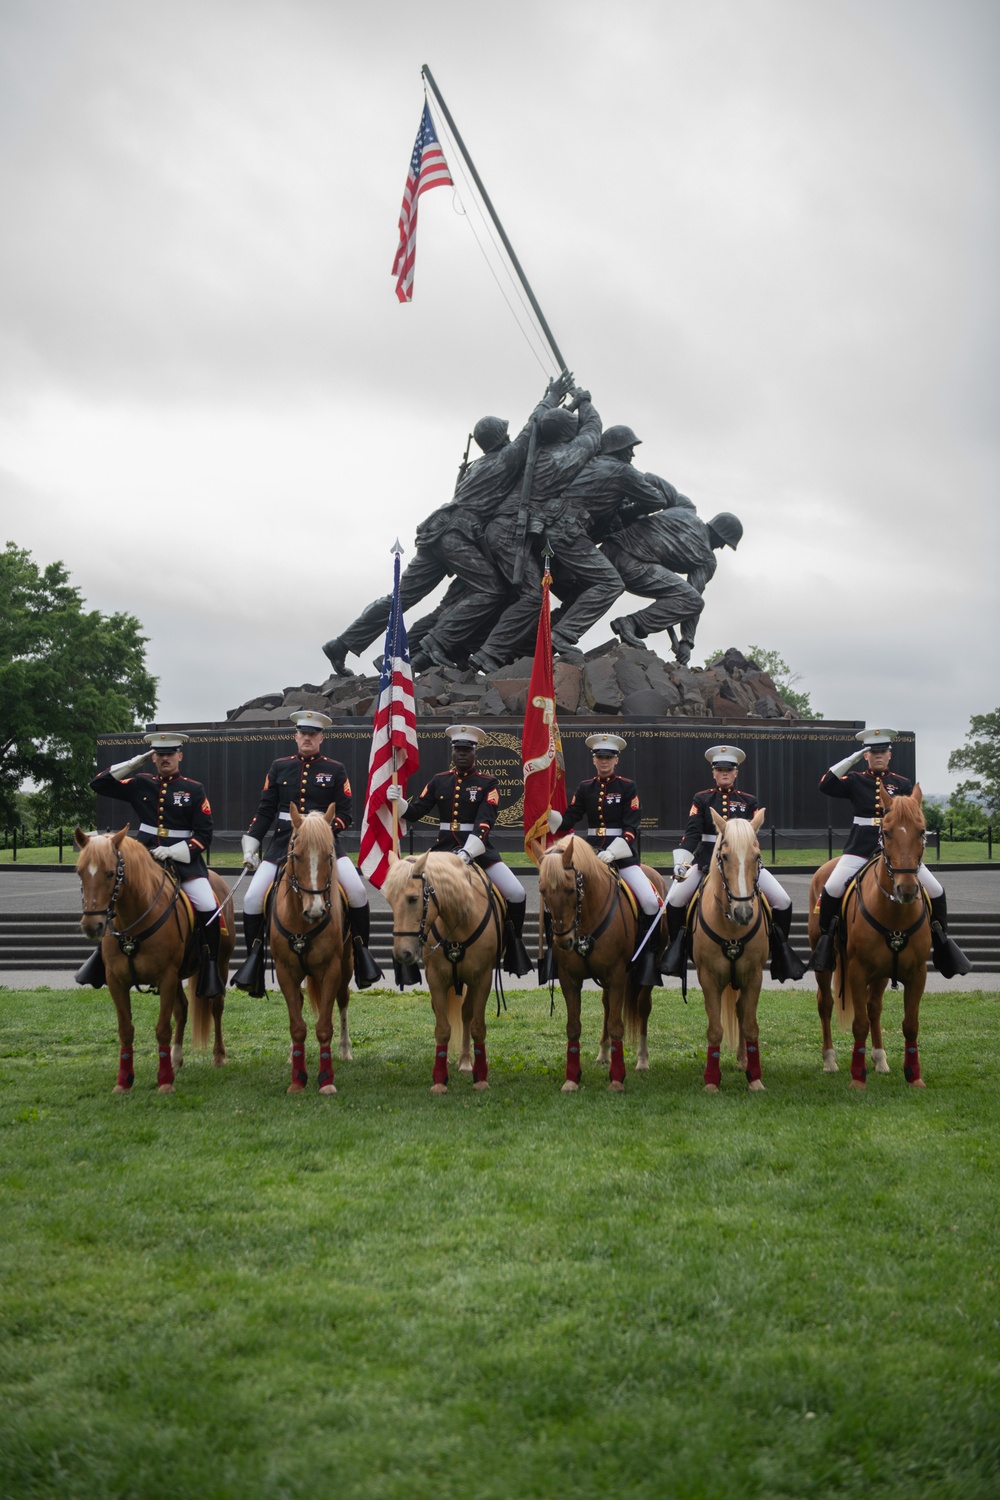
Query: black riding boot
{"points": [[824, 957], [209, 985], [949, 959], [515, 955], [92, 971], [675, 959], [785, 962], [250, 974], [548, 969], [366, 970], [645, 970]]}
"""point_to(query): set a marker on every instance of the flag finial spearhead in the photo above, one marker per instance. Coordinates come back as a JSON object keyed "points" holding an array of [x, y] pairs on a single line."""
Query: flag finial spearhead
{"points": [[396, 548]]}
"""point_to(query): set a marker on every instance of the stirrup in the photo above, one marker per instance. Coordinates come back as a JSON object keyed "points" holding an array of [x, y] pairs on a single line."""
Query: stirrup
{"points": [[675, 959], [92, 970], [824, 955], [515, 955], [366, 970], [250, 974], [949, 960]]}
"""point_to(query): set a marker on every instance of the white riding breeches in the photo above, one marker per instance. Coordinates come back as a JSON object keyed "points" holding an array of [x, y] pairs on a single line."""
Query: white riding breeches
{"points": [[354, 886], [507, 883], [253, 901], [639, 884], [681, 891], [848, 865], [200, 894], [775, 894]]}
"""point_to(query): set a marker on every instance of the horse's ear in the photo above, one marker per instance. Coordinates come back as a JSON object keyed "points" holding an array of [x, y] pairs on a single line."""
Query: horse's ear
{"points": [[80, 839], [536, 850], [393, 858], [757, 818], [418, 868], [918, 795], [119, 838], [330, 813], [720, 823], [296, 815], [567, 853]]}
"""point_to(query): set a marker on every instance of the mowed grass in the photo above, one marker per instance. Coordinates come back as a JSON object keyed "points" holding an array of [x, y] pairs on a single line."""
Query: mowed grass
{"points": [[230, 1292]]}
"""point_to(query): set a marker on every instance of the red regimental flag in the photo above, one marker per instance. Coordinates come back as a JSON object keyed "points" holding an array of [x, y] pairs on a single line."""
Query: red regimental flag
{"points": [[394, 746], [428, 169], [541, 747]]}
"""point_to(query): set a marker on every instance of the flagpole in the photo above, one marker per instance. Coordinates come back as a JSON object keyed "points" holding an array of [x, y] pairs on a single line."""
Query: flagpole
{"points": [[397, 552], [427, 74]]}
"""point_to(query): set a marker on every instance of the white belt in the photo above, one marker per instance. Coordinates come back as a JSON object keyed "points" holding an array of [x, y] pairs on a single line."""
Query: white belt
{"points": [[462, 828], [709, 838], [171, 833], [868, 822], [287, 817], [599, 833]]}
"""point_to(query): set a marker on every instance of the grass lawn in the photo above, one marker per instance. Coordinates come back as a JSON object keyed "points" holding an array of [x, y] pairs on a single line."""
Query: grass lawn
{"points": [[228, 1292]]}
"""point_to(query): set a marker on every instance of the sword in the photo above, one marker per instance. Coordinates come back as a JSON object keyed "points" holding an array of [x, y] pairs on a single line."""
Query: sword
{"points": [[223, 904], [649, 930]]}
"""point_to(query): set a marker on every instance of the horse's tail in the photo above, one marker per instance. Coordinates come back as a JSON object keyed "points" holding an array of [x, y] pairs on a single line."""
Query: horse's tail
{"points": [[455, 1022], [630, 1014], [730, 1025], [200, 1015], [843, 1001], [312, 990]]}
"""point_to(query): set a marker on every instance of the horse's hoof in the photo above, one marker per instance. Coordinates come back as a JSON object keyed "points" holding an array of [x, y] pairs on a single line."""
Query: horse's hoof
{"points": [[642, 1065], [917, 1083], [346, 1055], [220, 1060], [755, 1086], [166, 1088], [120, 1088], [602, 1057], [295, 1088], [830, 1061], [177, 1057], [616, 1086], [711, 1088], [328, 1088], [465, 1066], [858, 1083], [569, 1087], [880, 1060], [439, 1088], [480, 1085]]}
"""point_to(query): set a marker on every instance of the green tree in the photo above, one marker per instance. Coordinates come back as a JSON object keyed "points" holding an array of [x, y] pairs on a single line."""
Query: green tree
{"points": [[67, 674], [781, 675], [982, 756]]}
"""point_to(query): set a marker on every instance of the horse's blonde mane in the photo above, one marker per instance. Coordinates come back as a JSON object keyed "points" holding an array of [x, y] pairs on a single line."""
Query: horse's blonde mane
{"points": [[909, 807], [449, 876], [140, 866], [740, 834], [584, 859], [312, 830]]}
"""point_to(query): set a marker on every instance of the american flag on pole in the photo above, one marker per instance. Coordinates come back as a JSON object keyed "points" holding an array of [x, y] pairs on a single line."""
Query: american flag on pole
{"points": [[541, 744], [428, 169], [394, 744]]}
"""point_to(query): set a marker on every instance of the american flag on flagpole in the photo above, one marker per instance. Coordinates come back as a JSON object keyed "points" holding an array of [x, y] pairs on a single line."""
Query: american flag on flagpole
{"points": [[541, 743], [428, 169], [394, 744]]}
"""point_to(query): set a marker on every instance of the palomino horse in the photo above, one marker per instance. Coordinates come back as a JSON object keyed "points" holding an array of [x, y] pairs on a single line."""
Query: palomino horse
{"points": [[132, 906], [875, 946], [594, 928], [447, 916], [730, 961], [308, 946]]}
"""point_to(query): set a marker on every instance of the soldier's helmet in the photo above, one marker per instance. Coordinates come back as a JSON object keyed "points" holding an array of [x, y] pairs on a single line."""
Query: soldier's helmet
{"points": [[490, 433], [557, 425], [728, 526], [617, 438]]}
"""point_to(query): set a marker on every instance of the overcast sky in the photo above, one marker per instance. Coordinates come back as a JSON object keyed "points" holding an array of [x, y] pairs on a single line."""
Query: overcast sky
{"points": [[764, 233]]}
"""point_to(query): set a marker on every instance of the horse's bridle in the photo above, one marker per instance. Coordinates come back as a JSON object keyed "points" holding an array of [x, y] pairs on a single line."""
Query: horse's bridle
{"points": [[729, 895], [892, 871], [583, 942], [299, 941]]}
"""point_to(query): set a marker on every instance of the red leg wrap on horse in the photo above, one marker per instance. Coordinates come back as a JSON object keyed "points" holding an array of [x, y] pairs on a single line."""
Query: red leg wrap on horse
{"points": [[617, 1061], [299, 1074], [325, 1067], [911, 1065], [859, 1071], [753, 1061], [165, 1071], [441, 1065], [713, 1069], [574, 1072], [126, 1077], [479, 1066]]}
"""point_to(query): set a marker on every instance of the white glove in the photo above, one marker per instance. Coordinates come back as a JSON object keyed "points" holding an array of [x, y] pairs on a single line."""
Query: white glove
{"points": [[843, 766], [251, 852], [471, 849], [126, 767], [619, 848], [179, 852], [395, 794], [555, 820], [605, 856], [682, 863]]}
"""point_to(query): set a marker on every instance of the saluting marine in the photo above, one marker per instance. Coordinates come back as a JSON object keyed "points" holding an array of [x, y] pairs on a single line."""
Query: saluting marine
{"points": [[869, 792], [175, 825], [467, 801], [610, 804], [313, 782], [694, 855]]}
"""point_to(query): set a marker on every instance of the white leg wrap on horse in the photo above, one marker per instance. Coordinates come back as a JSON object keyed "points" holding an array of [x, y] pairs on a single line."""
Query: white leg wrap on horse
{"points": [[778, 898], [682, 891], [930, 882], [847, 865], [638, 883], [507, 883], [200, 894], [353, 885], [253, 901]]}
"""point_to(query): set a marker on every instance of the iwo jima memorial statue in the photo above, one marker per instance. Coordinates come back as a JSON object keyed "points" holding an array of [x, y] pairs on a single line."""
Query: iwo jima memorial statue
{"points": [[565, 490]]}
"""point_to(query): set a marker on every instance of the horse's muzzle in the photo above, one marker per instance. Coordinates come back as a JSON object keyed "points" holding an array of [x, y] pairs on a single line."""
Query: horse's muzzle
{"points": [[742, 913], [406, 952], [94, 928]]}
